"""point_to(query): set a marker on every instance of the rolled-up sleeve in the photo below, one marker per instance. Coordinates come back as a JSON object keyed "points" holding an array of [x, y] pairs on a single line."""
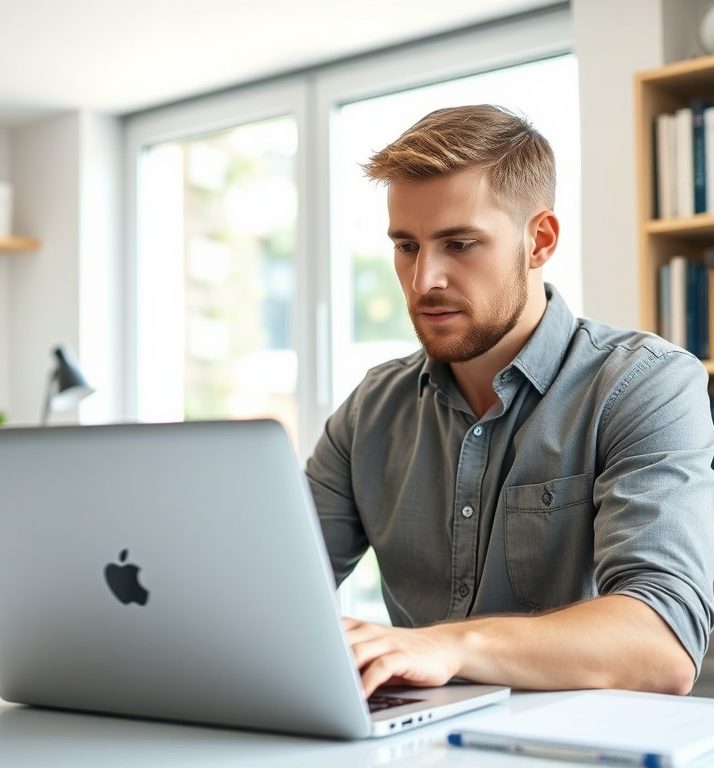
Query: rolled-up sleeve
{"points": [[654, 496]]}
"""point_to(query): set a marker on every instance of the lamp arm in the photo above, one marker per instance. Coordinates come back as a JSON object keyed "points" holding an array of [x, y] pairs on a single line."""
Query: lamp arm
{"points": [[48, 398]]}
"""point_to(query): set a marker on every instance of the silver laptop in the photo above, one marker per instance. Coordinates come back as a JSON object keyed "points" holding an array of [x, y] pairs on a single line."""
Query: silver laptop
{"points": [[177, 571]]}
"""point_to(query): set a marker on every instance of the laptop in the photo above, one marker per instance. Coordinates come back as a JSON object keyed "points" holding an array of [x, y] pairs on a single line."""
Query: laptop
{"points": [[178, 571]]}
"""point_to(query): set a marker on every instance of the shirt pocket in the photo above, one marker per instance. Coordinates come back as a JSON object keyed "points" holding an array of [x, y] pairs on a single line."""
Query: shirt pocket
{"points": [[549, 541]]}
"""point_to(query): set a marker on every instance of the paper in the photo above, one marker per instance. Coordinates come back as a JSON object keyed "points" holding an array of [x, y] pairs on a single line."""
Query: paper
{"points": [[678, 729]]}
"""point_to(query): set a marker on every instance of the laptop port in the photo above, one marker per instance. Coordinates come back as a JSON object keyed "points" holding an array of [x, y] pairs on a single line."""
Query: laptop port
{"points": [[408, 721]]}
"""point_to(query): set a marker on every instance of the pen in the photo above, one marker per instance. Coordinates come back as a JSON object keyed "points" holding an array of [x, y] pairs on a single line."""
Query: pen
{"points": [[556, 751]]}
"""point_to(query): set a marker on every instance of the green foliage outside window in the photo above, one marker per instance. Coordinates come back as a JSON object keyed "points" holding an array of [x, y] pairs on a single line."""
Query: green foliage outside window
{"points": [[378, 301]]}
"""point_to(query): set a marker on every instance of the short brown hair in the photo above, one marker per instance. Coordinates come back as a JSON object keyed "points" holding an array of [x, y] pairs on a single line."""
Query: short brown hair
{"points": [[517, 160]]}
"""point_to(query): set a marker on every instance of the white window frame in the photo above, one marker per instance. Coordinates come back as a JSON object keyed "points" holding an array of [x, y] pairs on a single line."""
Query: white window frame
{"points": [[313, 97], [201, 116]]}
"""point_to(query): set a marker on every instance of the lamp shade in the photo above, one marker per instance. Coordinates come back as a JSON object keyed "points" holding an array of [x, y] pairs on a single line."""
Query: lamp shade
{"points": [[67, 385]]}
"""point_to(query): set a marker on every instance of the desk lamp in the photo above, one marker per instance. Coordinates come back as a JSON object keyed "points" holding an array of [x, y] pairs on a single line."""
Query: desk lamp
{"points": [[68, 383]]}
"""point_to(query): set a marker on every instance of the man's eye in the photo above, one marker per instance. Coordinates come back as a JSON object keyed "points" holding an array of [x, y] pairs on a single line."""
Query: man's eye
{"points": [[461, 245], [406, 247]]}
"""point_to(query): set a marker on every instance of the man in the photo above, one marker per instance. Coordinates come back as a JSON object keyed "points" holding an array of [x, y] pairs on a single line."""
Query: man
{"points": [[537, 488]]}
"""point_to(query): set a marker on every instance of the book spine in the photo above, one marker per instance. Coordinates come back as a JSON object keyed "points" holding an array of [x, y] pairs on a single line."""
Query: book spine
{"points": [[699, 155], [709, 157], [703, 299], [685, 165], [678, 301], [665, 308], [655, 188], [691, 313], [710, 313], [666, 176]]}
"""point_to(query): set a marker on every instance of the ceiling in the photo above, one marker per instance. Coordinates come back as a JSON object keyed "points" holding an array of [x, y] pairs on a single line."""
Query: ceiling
{"points": [[119, 56]]}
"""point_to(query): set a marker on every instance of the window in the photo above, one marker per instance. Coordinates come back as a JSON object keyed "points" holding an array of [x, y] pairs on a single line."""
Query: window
{"points": [[259, 279], [220, 217]]}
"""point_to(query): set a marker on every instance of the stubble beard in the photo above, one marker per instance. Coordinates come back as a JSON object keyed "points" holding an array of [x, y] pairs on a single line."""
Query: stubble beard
{"points": [[480, 336]]}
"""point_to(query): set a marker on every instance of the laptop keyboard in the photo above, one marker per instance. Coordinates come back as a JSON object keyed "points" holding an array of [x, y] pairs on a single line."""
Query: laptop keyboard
{"points": [[379, 701]]}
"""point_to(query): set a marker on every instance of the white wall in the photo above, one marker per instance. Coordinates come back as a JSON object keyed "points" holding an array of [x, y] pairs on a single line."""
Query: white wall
{"points": [[680, 23], [4, 176], [44, 286], [612, 41], [66, 174], [4, 155]]}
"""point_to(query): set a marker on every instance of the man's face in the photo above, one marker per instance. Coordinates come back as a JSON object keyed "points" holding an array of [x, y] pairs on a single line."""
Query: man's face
{"points": [[460, 261]]}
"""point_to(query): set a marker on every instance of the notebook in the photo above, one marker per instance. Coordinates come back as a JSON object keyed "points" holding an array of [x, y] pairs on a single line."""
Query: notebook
{"points": [[177, 571], [616, 727]]}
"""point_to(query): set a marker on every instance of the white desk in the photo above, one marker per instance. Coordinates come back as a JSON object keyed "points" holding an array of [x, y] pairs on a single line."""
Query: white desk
{"points": [[37, 738]]}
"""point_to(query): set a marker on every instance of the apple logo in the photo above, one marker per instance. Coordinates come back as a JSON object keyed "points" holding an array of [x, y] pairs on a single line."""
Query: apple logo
{"points": [[123, 580]]}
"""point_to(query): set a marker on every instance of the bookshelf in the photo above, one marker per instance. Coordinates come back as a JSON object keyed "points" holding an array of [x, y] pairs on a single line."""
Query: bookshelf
{"points": [[17, 244], [658, 91]]}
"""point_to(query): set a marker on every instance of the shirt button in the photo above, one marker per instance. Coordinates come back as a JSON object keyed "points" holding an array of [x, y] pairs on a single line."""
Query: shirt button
{"points": [[547, 498], [467, 511], [478, 431], [463, 590]]}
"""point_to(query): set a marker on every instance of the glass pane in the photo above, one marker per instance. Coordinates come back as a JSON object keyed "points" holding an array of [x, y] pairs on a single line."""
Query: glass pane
{"points": [[370, 320], [221, 261]]}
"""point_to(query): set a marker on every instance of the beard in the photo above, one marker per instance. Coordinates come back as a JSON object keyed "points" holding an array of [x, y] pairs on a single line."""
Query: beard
{"points": [[480, 336]]}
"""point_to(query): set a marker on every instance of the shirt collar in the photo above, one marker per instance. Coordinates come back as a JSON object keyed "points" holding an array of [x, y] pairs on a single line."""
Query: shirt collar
{"points": [[541, 357], [434, 373], [539, 360]]}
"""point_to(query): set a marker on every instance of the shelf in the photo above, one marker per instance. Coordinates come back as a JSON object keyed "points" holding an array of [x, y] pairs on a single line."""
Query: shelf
{"points": [[701, 224], [689, 76], [17, 244], [660, 91]]}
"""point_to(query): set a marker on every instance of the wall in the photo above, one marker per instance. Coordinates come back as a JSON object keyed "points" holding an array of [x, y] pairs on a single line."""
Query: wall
{"points": [[67, 182], [44, 297], [608, 55], [4, 361], [680, 22]]}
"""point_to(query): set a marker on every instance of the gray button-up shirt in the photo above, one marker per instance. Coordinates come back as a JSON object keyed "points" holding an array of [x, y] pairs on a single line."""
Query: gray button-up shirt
{"points": [[590, 476]]}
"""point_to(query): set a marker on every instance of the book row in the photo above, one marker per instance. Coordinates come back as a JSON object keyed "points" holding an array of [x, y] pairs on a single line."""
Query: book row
{"points": [[683, 161], [686, 289]]}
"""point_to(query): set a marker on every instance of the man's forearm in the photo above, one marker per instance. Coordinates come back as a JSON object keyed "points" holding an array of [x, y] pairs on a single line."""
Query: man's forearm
{"points": [[610, 642]]}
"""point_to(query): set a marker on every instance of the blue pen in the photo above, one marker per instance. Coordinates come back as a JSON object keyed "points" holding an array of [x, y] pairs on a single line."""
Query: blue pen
{"points": [[556, 751]]}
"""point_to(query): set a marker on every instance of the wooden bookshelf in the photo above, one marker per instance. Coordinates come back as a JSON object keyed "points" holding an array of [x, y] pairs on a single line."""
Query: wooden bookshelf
{"points": [[666, 89], [17, 244]]}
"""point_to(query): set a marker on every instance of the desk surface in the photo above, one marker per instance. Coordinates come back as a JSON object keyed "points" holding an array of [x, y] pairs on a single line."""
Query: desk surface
{"points": [[37, 738]]}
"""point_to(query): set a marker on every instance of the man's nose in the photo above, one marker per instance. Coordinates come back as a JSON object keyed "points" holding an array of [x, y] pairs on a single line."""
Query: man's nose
{"points": [[429, 272]]}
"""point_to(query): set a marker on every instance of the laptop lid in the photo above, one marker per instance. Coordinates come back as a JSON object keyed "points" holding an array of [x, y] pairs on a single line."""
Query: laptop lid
{"points": [[174, 571]]}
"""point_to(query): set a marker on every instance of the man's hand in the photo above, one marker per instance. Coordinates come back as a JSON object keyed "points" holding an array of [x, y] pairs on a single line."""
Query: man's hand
{"points": [[615, 641], [393, 656]]}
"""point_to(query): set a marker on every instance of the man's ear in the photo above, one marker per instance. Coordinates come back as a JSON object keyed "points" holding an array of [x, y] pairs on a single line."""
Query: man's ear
{"points": [[543, 230]]}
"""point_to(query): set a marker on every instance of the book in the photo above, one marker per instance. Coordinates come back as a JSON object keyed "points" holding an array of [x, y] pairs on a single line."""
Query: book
{"points": [[654, 187], [626, 727], [691, 312], [685, 164], [710, 313], [666, 164], [703, 311], [678, 300], [665, 302], [698, 107], [709, 157]]}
